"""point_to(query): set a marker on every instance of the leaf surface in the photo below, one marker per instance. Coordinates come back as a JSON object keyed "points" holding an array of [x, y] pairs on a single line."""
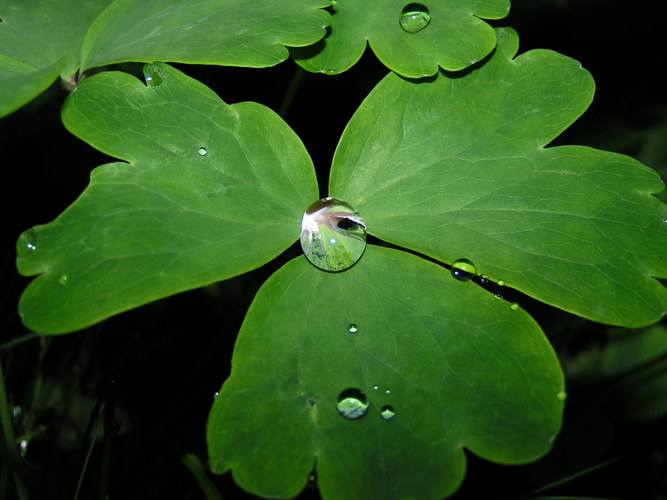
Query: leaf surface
{"points": [[454, 38], [40, 40], [226, 32], [458, 367], [209, 191], [456, 167]]}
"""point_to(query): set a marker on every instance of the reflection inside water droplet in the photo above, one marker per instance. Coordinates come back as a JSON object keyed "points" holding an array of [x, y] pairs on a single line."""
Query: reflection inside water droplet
{"points": [[353, 328], [352, 404], [463, 270], [333, 235], [387, 413], [414, 17]]}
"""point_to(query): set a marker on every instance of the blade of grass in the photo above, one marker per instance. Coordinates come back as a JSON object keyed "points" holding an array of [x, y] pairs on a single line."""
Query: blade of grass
{"points": [[574, 476], [13, 458]]}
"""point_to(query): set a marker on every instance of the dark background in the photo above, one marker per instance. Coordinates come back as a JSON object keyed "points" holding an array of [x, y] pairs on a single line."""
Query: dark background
{"points": [[160, 365]]}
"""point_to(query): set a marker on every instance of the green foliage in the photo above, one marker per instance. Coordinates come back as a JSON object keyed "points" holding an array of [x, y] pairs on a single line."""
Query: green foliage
{"points": [[454, 38], [206, 195], [456, 167], [483, 378], [40, 40], [240, 32]]}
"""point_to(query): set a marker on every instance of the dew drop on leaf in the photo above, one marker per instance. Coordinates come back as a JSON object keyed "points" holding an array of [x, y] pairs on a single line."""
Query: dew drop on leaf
{"points": [[64, 279], [352, 404], [501, 283], [353, 328], [514, 306], [152, 76], [387, 413], [414, 17], [26, 244], [376, 387], [387, 391], [202, 151], [483, 279], [463, 270], [561, 395], [333, 235]]}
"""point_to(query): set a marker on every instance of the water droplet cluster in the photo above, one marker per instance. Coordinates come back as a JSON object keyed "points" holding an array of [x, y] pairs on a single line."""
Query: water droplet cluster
{"points": [[333, 235]]}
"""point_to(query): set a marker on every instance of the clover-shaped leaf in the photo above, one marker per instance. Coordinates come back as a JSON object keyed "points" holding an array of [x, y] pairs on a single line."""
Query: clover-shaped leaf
{"points": [[410, 38], [206, 194], [457, 167], [40, 41], [378, 377], [228, 32]]}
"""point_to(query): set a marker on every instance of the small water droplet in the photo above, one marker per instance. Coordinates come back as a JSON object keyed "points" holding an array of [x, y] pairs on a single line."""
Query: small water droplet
{"points": [[387, 413], [152, 75], [514, 306], [23, 447], [27, 243], [312, 480], [501, 283], [387, 391], [498, 296], [352, 404], [414, 17], [463, 270], [16, 411], [376, 387], [216, 394], [483, 279], [561, 396], [352, 328], [333, 235], [64, 279], [202, 151]]}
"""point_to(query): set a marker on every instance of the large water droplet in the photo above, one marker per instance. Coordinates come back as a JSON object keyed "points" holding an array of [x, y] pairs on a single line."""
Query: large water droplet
{"points": [[414, 17], [387, 413], [333, 235], [352, 404], [463, 270], [353, 328], [26, 244]]}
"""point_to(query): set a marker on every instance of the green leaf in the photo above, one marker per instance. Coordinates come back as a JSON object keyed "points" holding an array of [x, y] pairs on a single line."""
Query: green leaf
{"points": [[454, 38], [226, 32], [210, 191], [456, 167], [40, 40], [458, 367]]}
